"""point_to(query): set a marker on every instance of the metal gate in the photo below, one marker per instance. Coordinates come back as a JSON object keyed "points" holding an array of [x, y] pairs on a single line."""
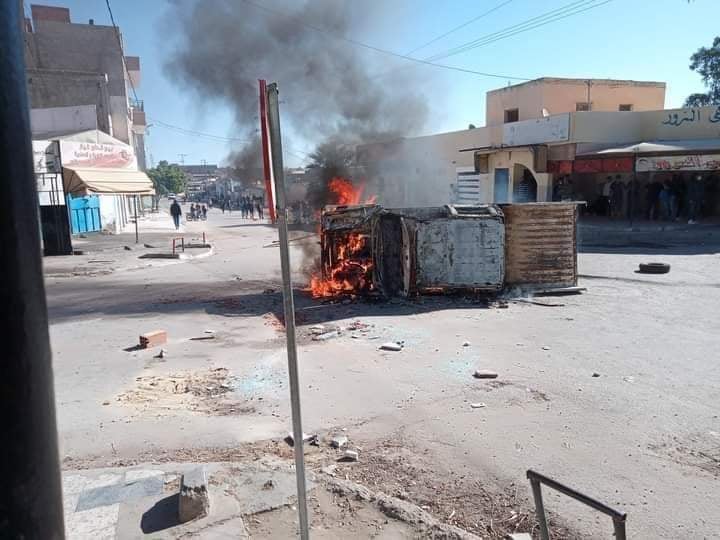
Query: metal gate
{"points": [[84, 213]]}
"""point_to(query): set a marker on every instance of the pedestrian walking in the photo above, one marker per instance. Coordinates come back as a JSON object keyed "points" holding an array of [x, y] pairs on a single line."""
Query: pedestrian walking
{"points": [[204, 211], [175, 212], [259, 207]]}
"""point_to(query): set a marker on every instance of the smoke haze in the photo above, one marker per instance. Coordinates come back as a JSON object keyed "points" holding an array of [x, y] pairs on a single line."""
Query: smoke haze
{"points": [[330, 90]]}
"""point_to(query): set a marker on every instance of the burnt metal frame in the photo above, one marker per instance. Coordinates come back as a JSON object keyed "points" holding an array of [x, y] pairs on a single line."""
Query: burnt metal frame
{"points": [[536, 481]]}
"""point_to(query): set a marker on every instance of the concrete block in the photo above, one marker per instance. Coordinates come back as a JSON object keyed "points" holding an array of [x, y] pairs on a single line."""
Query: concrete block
{"points": [[194, 500], [153, 339], [518, 536]]}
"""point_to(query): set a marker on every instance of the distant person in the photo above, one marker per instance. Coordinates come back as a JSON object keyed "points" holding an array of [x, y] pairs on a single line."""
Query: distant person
{"points": [[259, 207], [175, 212], [666, 202], [617, 195], [193, 214], [204, 211], [695, 193], [652, 196]]}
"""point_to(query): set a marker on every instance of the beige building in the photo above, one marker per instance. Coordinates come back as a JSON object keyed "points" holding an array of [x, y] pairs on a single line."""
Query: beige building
{"points": [[551, 95], [584, 151]]}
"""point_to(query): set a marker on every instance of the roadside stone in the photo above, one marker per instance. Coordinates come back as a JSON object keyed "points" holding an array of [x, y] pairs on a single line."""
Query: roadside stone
{"points": [[545, 348], [485, 374], [194, 501], [161, 354], [327, 335], [127, 248], [479, 405], [391, 346], [595, 374], [466, 343], [518, 536], [339, 441], [153, 339], [350, 455], [330, 470]]}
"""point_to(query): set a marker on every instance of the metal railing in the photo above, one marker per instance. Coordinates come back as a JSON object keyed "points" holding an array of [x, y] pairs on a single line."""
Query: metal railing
{"points": [[536, 481]]}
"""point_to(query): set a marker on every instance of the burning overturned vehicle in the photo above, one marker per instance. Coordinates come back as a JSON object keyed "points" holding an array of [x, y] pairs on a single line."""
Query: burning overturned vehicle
{"points": [[366, 249]]}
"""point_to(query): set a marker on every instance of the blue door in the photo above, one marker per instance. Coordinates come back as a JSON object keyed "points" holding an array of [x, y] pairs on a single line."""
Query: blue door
{"points": [[502, 181], [84, 213]]}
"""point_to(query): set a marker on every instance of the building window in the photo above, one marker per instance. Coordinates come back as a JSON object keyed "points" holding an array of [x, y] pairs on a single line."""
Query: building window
{"points": [[625, 107], [582, 106], [512, 115]]}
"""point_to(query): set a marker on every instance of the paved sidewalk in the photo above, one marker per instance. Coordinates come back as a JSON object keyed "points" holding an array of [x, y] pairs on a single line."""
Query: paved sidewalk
{"points": [[138, 501], [102, 253]]}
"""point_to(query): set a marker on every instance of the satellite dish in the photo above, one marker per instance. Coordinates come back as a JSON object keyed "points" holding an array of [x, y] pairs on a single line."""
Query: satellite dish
{"points": [[545, 112]]}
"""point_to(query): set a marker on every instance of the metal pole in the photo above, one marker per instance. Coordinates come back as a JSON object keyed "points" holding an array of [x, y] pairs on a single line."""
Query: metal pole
{"points": [[619, 527], [31, 499], [265, 148], [540, 509], [136, 222], [278, 174]]}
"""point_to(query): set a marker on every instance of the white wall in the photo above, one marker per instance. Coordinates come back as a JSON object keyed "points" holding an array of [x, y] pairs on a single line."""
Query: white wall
{"points": [[63, 119]]}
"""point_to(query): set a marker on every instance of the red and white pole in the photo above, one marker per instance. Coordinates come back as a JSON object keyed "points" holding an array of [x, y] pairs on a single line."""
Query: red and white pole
{"points": [[266, 149]]}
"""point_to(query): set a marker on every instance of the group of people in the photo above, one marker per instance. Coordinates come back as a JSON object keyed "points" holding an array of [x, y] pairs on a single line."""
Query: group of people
{"points": [[198, 211], [250, 207], [666, 199]]}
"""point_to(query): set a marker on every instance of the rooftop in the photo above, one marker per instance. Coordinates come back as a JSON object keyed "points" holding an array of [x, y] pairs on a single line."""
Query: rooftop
{"points": [[597, 82]]}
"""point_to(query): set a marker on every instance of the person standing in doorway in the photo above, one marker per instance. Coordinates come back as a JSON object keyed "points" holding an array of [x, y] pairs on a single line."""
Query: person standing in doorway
{"points": [[695, 193], [175, 212]]}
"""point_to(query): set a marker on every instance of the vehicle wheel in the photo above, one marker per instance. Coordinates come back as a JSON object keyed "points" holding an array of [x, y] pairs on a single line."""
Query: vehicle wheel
{"points": [[654, 268]]}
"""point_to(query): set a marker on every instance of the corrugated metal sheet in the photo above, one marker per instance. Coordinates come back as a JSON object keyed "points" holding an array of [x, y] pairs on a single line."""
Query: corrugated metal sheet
{"points": [[541, 244], [460, 251]]}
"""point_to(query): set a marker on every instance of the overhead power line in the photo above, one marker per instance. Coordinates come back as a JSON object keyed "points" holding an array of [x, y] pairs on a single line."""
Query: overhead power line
{"points": [[563, 12], [122, 51], [194, 133], [459, 27], [383, 51], [548, 17]]}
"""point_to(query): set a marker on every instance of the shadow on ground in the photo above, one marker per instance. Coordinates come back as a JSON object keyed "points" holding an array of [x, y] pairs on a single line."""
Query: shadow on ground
{"points": [[163, 515]]}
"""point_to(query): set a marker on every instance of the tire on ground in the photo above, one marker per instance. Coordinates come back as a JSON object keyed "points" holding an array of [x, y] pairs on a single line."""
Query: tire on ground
{"points": [[654, 268]]}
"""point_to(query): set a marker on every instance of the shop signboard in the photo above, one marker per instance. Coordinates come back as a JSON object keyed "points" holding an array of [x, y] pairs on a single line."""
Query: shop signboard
{"points": [[97, 155], [537, 131], [698, 162]]}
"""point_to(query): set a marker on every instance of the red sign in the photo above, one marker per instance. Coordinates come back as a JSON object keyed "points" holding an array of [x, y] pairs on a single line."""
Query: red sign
{"points": [[587, 166]]}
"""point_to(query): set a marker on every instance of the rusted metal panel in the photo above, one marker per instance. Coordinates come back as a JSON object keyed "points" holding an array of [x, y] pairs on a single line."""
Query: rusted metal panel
{"points": [[450, 248], [541, 244]]}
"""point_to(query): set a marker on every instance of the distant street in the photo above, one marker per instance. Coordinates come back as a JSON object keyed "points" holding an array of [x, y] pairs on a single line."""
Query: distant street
{"points": [[611, 391]]}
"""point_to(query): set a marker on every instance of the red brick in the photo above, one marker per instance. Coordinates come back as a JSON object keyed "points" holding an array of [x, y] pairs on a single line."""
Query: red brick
{"points": [[153, 339]]}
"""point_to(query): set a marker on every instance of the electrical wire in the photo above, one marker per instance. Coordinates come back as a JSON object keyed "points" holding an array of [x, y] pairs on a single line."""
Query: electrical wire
{"points": [[383, 51], [194, 133], [568, 10], [459, 27], [122, 51]]}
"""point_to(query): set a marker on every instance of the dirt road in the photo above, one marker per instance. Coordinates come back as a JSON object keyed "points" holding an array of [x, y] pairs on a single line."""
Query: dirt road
{"points": [[614, 392]]}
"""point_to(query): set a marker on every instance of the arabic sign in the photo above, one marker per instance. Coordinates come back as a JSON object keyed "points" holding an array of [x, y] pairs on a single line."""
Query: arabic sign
{"points": [[541, 130], [706, 162], [97, 155], [691, 116]]}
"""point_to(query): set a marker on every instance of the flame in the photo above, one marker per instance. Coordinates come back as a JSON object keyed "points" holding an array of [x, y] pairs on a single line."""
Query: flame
{"points": [[345, 193], [351, 269]]}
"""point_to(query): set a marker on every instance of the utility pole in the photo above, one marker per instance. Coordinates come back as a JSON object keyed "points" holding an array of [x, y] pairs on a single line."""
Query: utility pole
{"points": [[273, 111], [182, 158], [31, 499]]}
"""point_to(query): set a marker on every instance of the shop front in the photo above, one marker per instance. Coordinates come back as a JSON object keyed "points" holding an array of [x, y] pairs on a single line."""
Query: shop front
{"points": [[670, 181]]}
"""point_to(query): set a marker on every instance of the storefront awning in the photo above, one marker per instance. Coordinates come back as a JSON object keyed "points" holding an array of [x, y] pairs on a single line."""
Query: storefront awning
{"points": [[659, 147], [79, 181]]}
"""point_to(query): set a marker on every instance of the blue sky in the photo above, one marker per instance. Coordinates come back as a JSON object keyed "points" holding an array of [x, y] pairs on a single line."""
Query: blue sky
{"points": [[623, 39]]}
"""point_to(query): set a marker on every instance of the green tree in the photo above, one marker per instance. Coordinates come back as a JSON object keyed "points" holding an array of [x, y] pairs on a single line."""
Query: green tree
{"points": [[167, 178], [706, 62]]}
